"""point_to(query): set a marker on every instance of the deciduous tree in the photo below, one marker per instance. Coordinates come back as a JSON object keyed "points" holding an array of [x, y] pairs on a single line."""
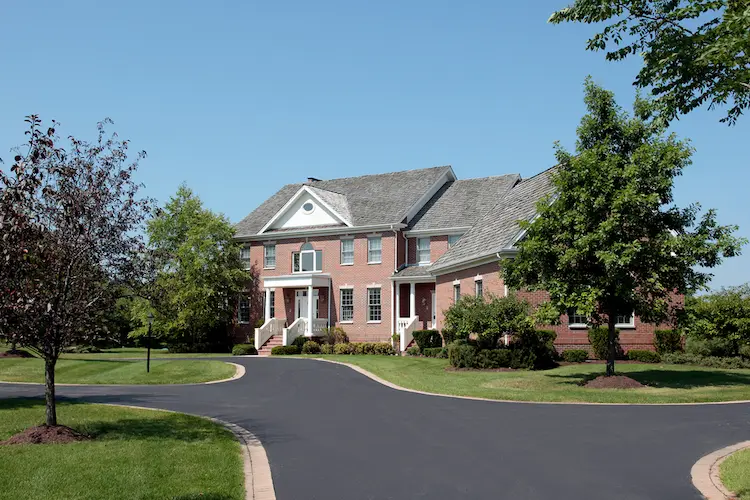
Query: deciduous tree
{"points": [[70, 222], [610, 241]]}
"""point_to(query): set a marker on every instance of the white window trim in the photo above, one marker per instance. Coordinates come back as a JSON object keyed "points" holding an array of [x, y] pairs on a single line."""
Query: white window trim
{"points": [[341, 251], [341, 306], [315, 261], [477, 283], [576, 326], [424, 262], [239, 302], [246, 264], [370, 238], [373, 287], [266, 245], [627, 326]]}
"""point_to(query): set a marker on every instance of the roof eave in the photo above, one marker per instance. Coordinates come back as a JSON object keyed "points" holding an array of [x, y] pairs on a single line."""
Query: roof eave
{"points": [[319, 232]]}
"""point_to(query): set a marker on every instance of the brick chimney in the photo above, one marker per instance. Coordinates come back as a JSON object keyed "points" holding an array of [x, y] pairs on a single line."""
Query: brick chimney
{"points": [[310, 180]]}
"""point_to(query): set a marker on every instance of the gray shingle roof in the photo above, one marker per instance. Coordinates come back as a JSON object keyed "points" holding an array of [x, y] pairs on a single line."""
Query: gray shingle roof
{"points": [[463, 202], [496, 230], [413, 271], [371, 199], [336, 201]]}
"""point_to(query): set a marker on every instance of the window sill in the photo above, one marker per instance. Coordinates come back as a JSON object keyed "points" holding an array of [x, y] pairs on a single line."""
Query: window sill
{"points": [[346, 322], [306, 272], [577, 326], [347, 263], [378, 262], [625, 327], [266, 268], [374, 322]]}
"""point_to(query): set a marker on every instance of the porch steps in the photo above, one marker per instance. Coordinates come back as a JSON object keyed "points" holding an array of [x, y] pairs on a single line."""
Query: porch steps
{"points": [[272, 342]]}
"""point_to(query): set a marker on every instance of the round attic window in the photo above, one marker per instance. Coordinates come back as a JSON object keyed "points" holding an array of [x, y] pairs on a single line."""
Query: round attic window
{"points": [[308, 207]]}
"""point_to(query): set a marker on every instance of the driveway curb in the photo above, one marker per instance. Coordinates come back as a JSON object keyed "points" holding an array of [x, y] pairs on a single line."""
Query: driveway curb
{"points": [[476, 398], [239, 372], [256, 469], [706, 476]]}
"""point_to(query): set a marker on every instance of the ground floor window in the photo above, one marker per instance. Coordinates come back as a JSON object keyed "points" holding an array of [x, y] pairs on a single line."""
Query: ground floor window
{"points": [[347, 304], [575, 319], [374, 312], [625, 320], [243, 313]]}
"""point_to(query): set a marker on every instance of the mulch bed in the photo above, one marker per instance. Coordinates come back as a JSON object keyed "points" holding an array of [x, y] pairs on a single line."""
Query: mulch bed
{"points": [[613, 382], [46, 434], [18, 353]]}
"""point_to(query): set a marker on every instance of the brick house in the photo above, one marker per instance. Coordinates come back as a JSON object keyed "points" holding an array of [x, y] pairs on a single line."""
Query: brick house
{"points": [[386, 253]]}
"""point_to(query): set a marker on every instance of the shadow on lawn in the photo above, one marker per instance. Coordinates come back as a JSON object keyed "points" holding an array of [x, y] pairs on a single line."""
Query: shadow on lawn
{"points": [[670, 379]]}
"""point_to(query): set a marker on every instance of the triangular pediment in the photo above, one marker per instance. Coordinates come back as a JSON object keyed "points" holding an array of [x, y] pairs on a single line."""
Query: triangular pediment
{"points": [[311, 207]]}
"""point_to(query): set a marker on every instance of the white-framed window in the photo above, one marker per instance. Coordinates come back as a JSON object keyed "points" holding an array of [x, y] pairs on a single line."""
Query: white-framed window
{"points": [[456, 292], [453, 239], [347, 304], [243, 309], [478, 288], [245, 257], [625, 320], [307, 260], [374, 311], [576, 320], [374, 249], [423, 250], [347, 251], [269, 256]]}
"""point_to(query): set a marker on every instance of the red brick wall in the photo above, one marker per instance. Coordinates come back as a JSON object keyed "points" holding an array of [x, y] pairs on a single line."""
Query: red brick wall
{"points": [[492, 283], [358, 276]]}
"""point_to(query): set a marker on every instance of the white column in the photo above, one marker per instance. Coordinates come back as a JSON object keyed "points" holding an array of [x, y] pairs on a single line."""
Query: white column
{"points": [[393, 305], [398, 300], [412, 300], [267, 313], [310, 299]]}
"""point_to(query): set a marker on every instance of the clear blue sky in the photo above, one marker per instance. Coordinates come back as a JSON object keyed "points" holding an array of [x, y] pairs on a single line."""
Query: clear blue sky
{"points": [[239, 98]]}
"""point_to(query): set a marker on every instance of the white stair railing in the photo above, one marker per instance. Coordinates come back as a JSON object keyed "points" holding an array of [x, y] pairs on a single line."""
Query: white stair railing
{"points": [[270, 328], [295, 330], [406, 327], [318, 325]]}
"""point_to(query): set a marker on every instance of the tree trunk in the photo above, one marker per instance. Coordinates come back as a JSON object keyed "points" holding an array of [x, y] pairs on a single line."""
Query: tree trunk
{"points": [[49, 391], [13, 345], [611, 345]]}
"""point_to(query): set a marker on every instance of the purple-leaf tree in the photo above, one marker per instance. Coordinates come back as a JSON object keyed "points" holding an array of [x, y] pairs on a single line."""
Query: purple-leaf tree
{"points": [[70, 240]]}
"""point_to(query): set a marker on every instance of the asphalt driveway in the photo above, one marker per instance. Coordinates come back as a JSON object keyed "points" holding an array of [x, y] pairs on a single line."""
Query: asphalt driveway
{"points": [[331, 433]]}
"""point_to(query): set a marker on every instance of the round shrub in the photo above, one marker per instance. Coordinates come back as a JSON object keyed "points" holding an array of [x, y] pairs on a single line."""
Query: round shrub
{"points": [[244, 350], [492, 358], [432, 352], [427, 338], [598, 339], [343, 349], [413, 350], [326, 349], [300, 341], [284, 350], [311, 347], [462, 355], [575, 355], [667, 341], [644, 356]]}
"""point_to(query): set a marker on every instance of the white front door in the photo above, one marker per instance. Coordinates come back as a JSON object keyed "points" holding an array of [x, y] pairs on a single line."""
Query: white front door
{"points": [[300, 307], [434, 311]]}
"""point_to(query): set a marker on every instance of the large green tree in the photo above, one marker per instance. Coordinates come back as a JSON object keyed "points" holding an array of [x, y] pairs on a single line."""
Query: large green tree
{"points": [[723, 315], [694, 51], [610, 241], [199, 274]]}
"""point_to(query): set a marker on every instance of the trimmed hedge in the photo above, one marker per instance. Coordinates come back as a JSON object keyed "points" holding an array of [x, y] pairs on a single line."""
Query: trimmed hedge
{"points": [[427, 338], [462, 355], [533, 349], [311, 347], [380, 348], [679, 358], [435, 352], [575, 355], [468, 356], [666, 341], [326, 349], [244, 350], [283, 350], [644, 356], [598, 339], [413, 350]]}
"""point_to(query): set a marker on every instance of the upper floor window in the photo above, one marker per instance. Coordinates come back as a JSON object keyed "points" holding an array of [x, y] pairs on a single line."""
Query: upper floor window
{"points": [[479, 288], [456, 292], [307, 260], [453, 239], [347, 251], [575, 319], [374, 249], [423, 250], [269, 256], [245, 257]]}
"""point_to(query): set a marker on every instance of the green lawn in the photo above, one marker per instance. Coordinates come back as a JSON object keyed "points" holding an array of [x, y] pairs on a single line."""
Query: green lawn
{"points": [[135, 454], [735, 473], [74, 371], [667, 383], [140, 353]]}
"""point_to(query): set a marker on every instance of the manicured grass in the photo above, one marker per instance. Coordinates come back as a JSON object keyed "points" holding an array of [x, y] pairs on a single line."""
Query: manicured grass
{"points": [[74, 371], [667, 383], [735, 473], [140, 353], [135, 454]]}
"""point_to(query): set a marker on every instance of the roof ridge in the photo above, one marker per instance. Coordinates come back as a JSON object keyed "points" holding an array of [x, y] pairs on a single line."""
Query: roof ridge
{"points": [[380, 174], [500, 176]]}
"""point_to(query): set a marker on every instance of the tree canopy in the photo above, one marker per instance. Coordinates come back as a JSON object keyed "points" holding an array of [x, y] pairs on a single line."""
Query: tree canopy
{"points": [[694, 51], [721, 315], [71, 222], [610, 241], [199, 274]]}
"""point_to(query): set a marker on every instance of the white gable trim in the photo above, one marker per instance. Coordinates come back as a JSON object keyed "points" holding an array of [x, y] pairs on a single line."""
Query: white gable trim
{"points": [[302, 191], [448, 175]]}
